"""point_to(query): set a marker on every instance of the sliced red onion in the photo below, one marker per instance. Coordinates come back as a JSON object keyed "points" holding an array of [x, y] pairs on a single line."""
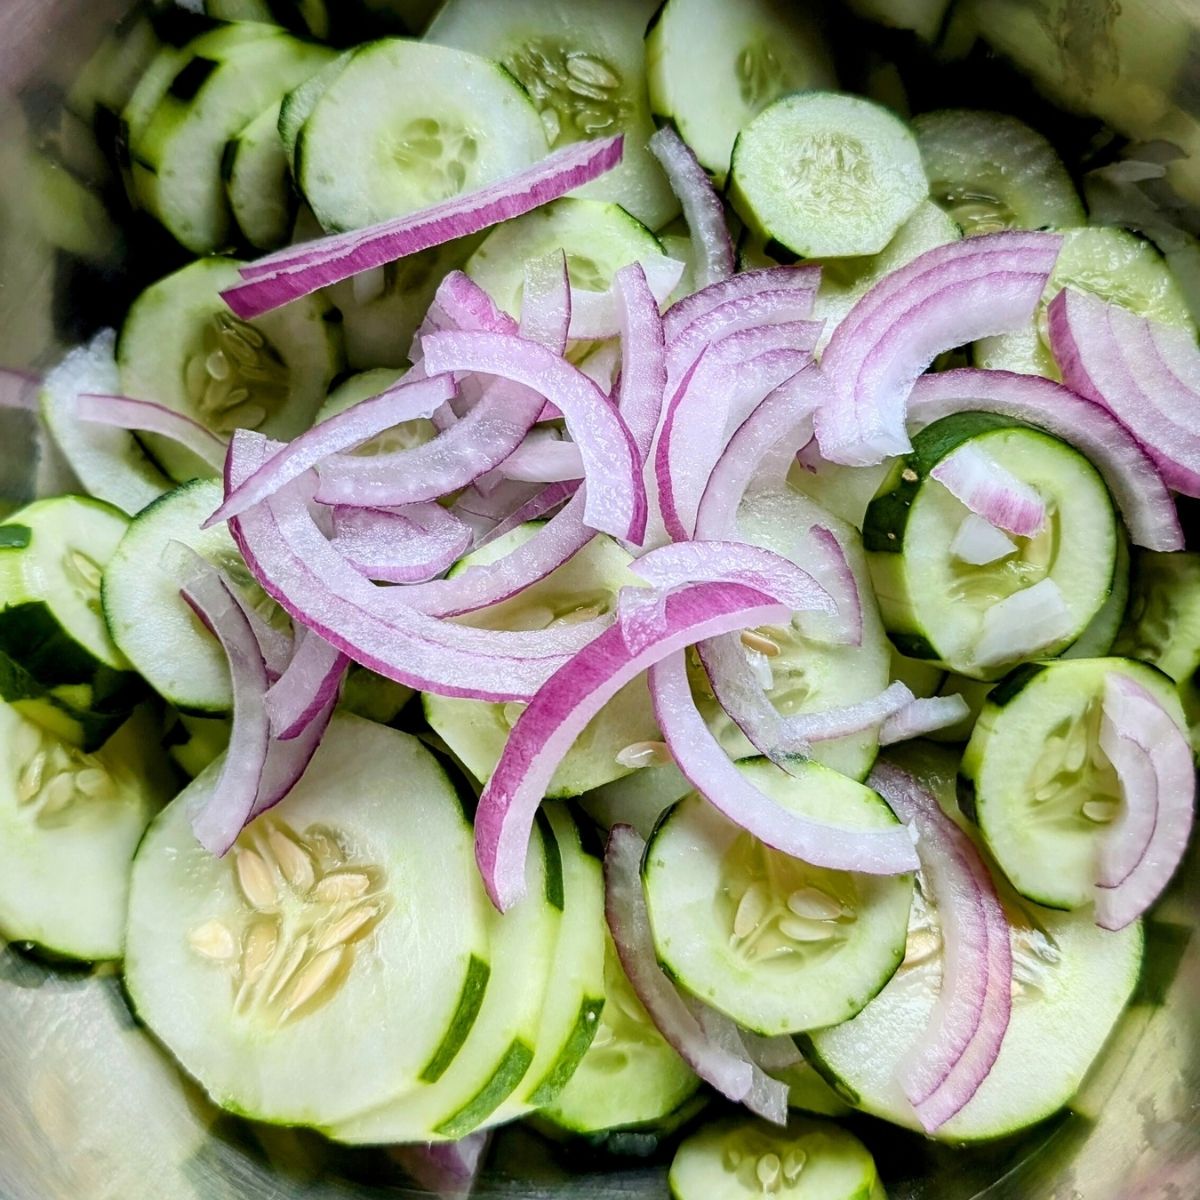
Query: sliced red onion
{"points": [[1022, 624], [643, 355], [1114, 357], [300, 270], [408, 400], [991, 491], [821, 548], [1153, 761], [546, 302], [557, 714], [484, 509], [148, 417], [447, 1170], [944, 298], [304, 688], [543, 457], [767, 1097], [594, 315], [703, 761], [19, 389], [949, 1062], [921, 716], [740, 286], [288, 760], [1138, 489], [730, 1073], [979, 542], [616, 495], [543, 503], [404, 545], [712, 248], [295, 564], [772, 1053], [743, 329]]}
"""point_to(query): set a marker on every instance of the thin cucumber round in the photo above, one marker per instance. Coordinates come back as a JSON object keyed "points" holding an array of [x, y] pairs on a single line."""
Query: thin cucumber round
{"points": [[638, 799], [298, 104], [778, 945], [809, 1092], [1098, 638], [194, 742], [823, 174], [355, 904], [257, 181], [1036, 781]]}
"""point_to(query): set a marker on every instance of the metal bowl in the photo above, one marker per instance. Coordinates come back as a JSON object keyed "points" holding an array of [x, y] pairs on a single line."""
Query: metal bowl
{"points": [[91, 1109]]}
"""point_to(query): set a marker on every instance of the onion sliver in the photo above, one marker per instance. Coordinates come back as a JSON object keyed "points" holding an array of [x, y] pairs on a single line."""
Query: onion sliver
{"points": [[746, 283], [19, 389], [305, 687], [447, 1170], [991, 491], [402, 545], [300, 270], [944, 298], [921, 716], [145, 416], [643, 355], [546, 302], [1132, 477]]}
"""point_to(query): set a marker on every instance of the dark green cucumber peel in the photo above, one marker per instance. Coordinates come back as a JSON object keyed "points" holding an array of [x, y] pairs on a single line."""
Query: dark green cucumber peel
{"points": [[552, 857], [15, 537], [507, 1075], [571, 1055], [469, 1002]]}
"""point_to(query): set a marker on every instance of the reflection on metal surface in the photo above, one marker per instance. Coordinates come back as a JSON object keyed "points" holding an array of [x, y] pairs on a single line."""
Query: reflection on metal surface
{"points": [[90, 1109]]}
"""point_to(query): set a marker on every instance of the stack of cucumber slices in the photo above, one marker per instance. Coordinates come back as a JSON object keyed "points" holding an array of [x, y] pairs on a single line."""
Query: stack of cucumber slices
{"points": [[564, 638]]}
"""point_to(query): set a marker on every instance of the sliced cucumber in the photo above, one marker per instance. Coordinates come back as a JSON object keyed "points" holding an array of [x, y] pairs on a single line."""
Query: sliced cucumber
{"points": [[809, 1092], [1098, 638], [990, 171], [1036, 781], [824, 174], [934, 604], [1071, 980], [180, 346], [298, 104], [597, 238], [713, 67], [257, 181], [70, 213], [355, 904], [778, 945], [406, 125], [210, 101], [740, 1158], [148, 619], [583, 66], [194, 742], [1110, 263], [585, 586], [638, 799], [69, 825], [919, 675], [305, 17], [454, 1098], [372, 696], [629, 1077], [111, 74], [109, 462], [363, 386]]}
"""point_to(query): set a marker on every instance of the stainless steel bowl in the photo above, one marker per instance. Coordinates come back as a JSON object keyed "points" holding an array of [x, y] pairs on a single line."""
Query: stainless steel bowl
{"points": [[90, 1109]]}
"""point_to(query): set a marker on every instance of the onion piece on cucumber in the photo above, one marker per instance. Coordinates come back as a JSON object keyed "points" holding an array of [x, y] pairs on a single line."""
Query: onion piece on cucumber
{"points": [[147, 417], [989, 491]]}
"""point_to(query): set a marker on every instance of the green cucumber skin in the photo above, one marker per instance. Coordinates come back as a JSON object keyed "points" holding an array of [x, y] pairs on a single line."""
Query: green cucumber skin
{"points": [[461, 1022], [572, 1054], [500, 1086]]}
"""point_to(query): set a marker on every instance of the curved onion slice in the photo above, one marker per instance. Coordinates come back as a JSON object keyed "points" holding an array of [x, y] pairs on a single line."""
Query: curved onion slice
{"points": [[724, 1066], [921, 716], [295, 564], [594, 314], [979, 542], [643, 355], [19, 389], [148, 417], [447, 1170], [944, 298], [946, 1066], [546, 301], [305, 687], [556, 715], [300, 270], [406, 545], [991, 491], [712, 249], [406, 401], [1115, 357], [1153, 762], [1131, 476], [795, 280], [542, 503], [616, 495], [1021, 625], [543, 457], [709, 770]]}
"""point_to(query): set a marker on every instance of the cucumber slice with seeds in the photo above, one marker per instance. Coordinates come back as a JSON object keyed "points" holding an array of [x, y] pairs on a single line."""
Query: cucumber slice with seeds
{"points": [[257, 182], [826, 175], [408, 124], [180, 346], [583, 65], [251, 968], [1036, 781], [712, 67], [778, 945]]}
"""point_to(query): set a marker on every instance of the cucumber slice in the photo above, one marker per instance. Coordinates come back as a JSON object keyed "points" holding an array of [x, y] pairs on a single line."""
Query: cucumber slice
{"points": [[151, 623], [712, 67], [922, 677], [740, 1159], [933, 604], [306, 17], [257, 181], [583, 587], [363, 386], [808, 1091], [196, 741], [329, 915], [823, 174], [110, 76], [1071, 981], [372, 696], [210, 101], [1036, 781], [109, 462], [630, 1077], [456, 1097], [597, 238], [990, 171], [298, 104], [1098, 638], [406, 125], [70, 213], [1110, 263], [583, 65], [180, 346], [923, 17], [778, 945], [638, 799], [69, 825]]}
